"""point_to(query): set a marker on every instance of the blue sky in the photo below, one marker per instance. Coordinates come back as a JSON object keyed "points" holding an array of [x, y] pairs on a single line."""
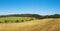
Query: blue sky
{"points": [[43, 7]]}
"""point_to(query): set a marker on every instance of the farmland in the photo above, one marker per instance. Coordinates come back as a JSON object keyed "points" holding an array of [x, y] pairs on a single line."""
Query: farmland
{"points": [[35, 25]]}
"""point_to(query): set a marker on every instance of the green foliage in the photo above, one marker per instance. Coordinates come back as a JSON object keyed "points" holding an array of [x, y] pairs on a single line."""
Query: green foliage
{"points": [[6, 21], [14, 19], [0, 21], [52, 16], [22, 20], [17, 21], [32, 15]]}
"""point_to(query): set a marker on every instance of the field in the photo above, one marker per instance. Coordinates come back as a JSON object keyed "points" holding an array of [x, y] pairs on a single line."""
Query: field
{"points": [[14, 19], [34, 25]]}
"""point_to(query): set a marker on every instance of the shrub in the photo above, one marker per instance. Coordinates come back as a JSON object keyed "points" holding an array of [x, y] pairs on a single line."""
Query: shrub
{"points": [[22, 20], [31, 19], [0, 21], [17, 21], [5, 21]]}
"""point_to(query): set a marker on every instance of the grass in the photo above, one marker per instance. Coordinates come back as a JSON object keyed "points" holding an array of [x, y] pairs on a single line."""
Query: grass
{"points": [[35, 25], [14, 19]]}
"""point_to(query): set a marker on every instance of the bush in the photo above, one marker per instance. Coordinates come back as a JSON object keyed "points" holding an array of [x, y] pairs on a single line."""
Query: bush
{"points": [[17, 21], [31, 19], [0, 21], [22, 20], [6, 21]]}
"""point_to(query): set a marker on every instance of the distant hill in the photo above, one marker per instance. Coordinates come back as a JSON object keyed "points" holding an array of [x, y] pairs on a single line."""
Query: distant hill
{"points": [[32, 15]]}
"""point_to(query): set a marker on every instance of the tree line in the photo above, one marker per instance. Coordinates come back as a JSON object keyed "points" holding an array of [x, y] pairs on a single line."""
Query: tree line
{"points": [[32, 15]]}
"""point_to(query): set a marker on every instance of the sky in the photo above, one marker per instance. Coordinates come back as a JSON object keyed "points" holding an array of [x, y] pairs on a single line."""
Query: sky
{"points": [[42, 7]]}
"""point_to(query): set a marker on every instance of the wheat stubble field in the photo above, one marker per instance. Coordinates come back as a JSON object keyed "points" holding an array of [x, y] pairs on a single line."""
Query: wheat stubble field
{"points": [[35, 25]]}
